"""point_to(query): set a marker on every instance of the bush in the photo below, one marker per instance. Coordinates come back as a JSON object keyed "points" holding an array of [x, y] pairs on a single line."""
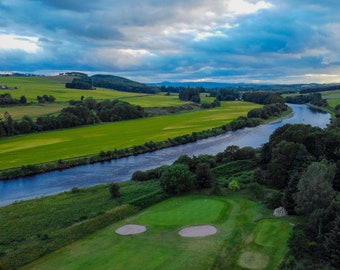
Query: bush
{"points": [[139, 176], [234, 185], [75, 190], [114, 190]]}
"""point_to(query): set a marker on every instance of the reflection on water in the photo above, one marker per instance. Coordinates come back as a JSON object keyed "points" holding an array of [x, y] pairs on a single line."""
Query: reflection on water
{"points": [[122, 169]]}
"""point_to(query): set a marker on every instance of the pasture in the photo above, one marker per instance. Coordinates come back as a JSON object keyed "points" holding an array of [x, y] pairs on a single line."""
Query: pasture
{"points": [[34, 110], [333, 97], [61, 144], [244, 239], [31, 87]]}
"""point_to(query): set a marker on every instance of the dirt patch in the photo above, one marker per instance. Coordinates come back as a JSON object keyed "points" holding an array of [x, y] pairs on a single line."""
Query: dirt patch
{"points": [[253, 260], [130, 229], [198, 231]]}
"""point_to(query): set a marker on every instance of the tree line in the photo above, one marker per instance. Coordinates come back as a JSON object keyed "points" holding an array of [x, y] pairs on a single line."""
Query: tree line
{"points": [[84, 112], [263, 98], [193, 93], [7, 99], [314, 98], [303, 164]]}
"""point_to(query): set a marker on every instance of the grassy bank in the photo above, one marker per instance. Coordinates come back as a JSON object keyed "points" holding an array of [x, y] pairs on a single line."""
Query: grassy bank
{"points": [[69, 143]]}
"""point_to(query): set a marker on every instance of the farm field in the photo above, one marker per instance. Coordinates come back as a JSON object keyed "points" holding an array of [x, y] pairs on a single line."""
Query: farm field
{"points": [[54, 145], [31, 87], [247, 237], [33, 111], [333, 97]]}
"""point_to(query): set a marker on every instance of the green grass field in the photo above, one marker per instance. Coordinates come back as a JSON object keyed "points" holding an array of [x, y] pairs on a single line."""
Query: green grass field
{"points": [[31, 87], [333, 97], [242, 240], [54, 145], [34, 110]]}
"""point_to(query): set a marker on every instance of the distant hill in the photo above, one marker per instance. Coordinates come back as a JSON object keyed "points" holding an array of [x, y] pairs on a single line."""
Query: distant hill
{"points": [[194, 84], [231, 86], [110, 82], [122, 84], [282, 88]]}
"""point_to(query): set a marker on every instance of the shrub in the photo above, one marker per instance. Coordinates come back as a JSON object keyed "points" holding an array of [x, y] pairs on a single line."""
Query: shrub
{"points": [[139, 176], [234, 185], [114, 190], [75, 190]]}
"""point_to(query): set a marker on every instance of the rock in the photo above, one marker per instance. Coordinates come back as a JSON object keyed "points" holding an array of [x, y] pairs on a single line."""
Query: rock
{"points": [[280, 212]]}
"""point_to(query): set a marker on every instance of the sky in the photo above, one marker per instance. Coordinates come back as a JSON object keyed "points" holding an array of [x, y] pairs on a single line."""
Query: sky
{"points": [[250, 41]]}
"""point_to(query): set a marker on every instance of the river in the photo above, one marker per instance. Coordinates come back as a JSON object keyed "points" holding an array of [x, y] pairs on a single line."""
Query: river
{"points": [[25, 188]]}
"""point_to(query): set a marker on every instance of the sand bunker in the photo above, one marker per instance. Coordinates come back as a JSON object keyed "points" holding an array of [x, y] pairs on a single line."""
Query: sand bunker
{"points": [[198, 231], [131, 229]]}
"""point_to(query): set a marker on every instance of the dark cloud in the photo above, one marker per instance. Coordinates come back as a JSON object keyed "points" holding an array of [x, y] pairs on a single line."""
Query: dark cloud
{"points": [[174, 39]]}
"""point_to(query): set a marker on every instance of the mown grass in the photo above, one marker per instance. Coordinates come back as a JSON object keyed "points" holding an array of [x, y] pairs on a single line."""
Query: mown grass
{"points": [[54, 145], [239, 222]]}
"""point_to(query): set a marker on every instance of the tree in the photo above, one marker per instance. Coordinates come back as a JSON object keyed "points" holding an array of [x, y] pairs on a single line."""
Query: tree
{"points": [[331, 243], [23, 100], [176, 179], [114, 190], [315, 188], [204, 177], [287, 157]]}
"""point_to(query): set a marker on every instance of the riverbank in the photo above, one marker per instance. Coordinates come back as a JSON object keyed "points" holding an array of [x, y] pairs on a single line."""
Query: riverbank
{"points": [[118, 170], [32, 169]]}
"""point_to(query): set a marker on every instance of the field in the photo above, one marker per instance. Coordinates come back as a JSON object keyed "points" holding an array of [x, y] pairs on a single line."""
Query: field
{"points": [[333, 97], [247, 238], [31, 87], [54, 145]]}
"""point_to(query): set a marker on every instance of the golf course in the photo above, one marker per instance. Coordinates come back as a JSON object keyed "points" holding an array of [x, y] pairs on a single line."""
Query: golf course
{"points": [[247, 237]]}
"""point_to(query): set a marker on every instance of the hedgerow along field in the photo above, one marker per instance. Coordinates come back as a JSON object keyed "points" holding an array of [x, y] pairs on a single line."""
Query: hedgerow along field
{"points": [[62, 144], [248, 237]]}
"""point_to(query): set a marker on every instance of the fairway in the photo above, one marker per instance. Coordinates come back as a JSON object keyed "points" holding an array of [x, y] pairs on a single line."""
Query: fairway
{"points": [[161, 247], [54, 145]]}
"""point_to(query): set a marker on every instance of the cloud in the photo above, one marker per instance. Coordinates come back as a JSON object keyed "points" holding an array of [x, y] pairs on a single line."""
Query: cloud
{"points": [[222, 40]]}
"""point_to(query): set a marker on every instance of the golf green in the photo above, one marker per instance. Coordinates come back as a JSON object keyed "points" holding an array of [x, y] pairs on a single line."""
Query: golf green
{"points": [[161, 247]]}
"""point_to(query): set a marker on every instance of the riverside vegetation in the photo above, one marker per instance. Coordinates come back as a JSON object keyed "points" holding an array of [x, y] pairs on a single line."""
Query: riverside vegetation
{"points": [[32, 229]]}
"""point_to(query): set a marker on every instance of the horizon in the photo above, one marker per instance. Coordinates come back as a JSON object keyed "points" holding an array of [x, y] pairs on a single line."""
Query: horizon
{"points": [[233, 41]]}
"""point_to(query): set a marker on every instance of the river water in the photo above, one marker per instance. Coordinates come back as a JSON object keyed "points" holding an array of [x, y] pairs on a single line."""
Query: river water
{"points": [[24, 188]]}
